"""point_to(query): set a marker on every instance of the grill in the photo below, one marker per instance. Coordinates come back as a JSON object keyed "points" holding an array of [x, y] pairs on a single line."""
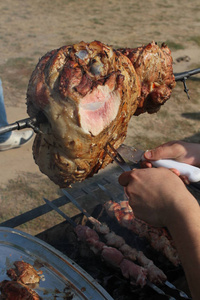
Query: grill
{"points": [[62, 237]]}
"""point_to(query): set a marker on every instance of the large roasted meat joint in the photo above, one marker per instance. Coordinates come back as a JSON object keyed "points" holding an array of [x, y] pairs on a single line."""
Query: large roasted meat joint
{"points": [[87, 93]]}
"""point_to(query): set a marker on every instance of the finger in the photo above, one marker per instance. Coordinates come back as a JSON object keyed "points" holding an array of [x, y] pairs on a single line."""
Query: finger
{"points": [[185, 179], [182, 177], [161, 152], [124, 178], [175, 171], [145, 164]]}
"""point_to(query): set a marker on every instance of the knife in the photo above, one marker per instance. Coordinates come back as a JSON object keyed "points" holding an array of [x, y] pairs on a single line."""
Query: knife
{"points": [[136, 155]]}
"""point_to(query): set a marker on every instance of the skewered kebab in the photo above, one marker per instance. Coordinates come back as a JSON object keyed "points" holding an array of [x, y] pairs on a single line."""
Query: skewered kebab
{"points": [[85, 233], [159, 241], [159, 238], [111, 255], [155, 275]]}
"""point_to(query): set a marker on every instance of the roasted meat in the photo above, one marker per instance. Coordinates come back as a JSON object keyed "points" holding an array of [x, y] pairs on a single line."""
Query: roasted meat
{"points": [[24, 272], [114, 257], [87, 94], [154, 274], [13, 290], [153, 66], [158, 237]]}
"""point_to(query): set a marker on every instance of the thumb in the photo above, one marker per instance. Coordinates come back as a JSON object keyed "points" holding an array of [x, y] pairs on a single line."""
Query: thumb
{"points": [[160, 152]]}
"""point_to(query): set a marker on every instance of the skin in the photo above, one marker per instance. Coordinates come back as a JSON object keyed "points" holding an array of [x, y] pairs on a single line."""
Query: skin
{"points": [[168, 203]]}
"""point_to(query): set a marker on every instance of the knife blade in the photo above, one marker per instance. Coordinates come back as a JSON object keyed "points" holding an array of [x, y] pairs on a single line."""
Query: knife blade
{"points": [[136, 155]]}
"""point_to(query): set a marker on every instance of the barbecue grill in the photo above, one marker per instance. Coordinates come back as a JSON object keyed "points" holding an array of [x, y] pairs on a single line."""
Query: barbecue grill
{"points": [[90, 198]]}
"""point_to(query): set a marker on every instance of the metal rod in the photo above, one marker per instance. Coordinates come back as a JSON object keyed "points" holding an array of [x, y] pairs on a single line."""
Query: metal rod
{"points": [[54, 207], [181, 293], [21, 124], [159, 291], [75, 203], [184, 75]]}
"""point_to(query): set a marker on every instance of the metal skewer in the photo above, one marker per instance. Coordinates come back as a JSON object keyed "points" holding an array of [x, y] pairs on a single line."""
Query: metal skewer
{"points": [[150, 284], [117, 158], [184, 76], [181, 293], [167, 283], [54, 207]]}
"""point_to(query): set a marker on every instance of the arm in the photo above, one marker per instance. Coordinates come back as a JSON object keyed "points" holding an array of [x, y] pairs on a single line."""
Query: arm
{"points": [[168, 203]]}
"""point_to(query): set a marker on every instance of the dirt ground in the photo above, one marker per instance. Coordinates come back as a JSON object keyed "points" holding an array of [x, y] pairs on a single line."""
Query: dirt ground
{"points": [[29, 29]]}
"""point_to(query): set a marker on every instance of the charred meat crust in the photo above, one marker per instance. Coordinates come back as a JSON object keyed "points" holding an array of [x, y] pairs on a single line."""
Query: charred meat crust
{"points": [[88, 92]]}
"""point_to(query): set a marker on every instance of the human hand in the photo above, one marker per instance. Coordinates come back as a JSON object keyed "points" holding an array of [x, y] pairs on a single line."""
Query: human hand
{"points": [[154, 194], [184, 152]]}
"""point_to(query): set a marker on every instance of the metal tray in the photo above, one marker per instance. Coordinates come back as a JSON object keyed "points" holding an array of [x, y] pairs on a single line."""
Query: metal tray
{"points": [[62, 278]]}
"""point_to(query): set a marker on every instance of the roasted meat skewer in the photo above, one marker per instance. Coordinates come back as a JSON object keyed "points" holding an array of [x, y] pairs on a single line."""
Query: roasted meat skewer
{"points": [[155, 275], [114, 257], [158, 238]]}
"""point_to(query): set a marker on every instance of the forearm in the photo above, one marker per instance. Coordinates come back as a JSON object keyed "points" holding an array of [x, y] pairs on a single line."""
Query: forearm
{"points": [[185, 231]]}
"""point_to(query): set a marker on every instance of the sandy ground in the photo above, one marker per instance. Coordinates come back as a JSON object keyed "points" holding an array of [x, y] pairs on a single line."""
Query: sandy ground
{"points": [[29, 29]]}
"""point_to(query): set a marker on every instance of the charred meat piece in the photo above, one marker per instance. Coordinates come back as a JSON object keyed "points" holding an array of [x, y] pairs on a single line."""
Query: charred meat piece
{"points": [[114, 257], [154, 274], [158, 237], [88, 93], [24, 272], [153, 66], [13, 290]]}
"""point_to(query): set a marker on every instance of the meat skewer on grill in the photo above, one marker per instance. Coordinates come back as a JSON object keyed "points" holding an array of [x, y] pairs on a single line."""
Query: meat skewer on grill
{"points": [[158, 238], [96, 246], [155, 275], [111, 255]]}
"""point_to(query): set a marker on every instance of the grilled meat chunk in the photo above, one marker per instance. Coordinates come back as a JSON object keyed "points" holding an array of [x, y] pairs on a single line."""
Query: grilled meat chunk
{"points": [[24, 272], [153, 66], [88, 93], [158, 237], [13, 290]]}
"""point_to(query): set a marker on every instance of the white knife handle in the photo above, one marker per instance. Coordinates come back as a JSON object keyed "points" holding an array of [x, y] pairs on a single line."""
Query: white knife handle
{"points": [[192, 173]]}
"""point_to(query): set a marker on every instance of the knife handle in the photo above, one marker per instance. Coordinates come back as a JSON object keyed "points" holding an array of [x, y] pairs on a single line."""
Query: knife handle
{"points": [[192, 173]]}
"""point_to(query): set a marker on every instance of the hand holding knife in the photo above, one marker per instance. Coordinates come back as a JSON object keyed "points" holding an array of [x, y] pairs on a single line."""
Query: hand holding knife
{"points": [[136, 156]]}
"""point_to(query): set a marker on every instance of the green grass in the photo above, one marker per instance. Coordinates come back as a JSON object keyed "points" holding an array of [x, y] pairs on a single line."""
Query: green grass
{"points": [[25, 194], [195, 39], [17, 71], [174, 46]]}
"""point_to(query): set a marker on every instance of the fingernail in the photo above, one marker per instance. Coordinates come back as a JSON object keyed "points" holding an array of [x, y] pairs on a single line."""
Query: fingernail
{"points": [[148, 154]]}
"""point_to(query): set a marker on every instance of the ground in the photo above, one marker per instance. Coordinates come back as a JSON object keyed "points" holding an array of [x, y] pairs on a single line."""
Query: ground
{"points": [[29, 29]]}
